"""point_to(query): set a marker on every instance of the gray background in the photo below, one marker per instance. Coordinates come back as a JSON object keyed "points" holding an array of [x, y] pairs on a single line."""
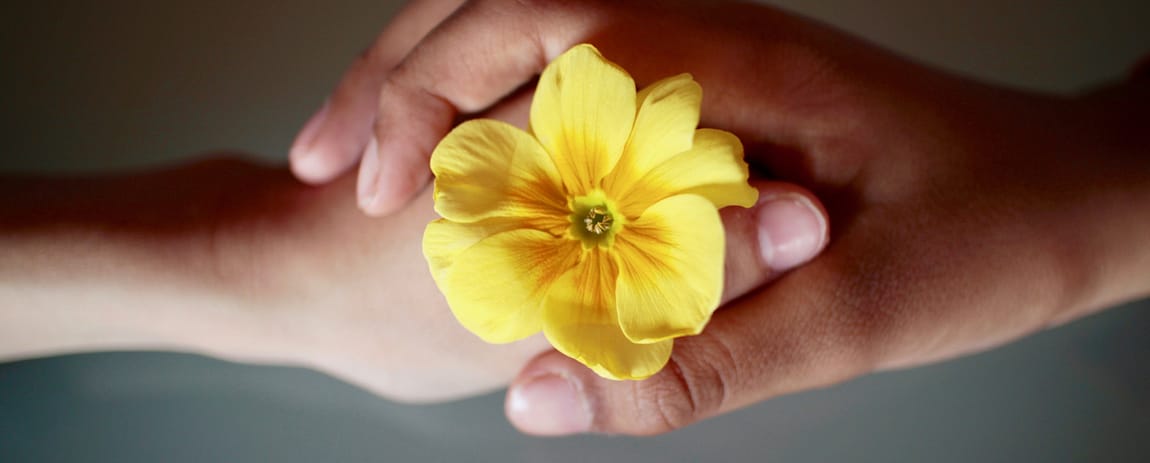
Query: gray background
{"points": [[94, 86]]}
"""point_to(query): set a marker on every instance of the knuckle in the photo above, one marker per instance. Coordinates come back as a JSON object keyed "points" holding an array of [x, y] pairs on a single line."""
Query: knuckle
{"points": [[536, 5], [363, 59], [395, 80], [867, 314], [693, 386], [515, 7], [393, 90], [412, 87], [374, 59]]}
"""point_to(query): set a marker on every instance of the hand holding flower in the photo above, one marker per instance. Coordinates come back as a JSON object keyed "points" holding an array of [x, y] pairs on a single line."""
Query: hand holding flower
{"points": [[966, 215], [600, 227]]}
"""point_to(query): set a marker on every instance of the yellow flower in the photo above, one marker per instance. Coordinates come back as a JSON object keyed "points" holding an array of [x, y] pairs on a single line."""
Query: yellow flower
{"points": [[600, 227]]}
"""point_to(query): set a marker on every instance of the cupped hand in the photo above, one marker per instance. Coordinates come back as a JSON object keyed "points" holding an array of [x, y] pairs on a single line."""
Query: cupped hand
{"points": [[966, 215], [784, 229], [323, 286]]}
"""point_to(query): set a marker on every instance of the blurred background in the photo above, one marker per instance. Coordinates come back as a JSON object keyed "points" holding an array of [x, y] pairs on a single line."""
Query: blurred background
{"points": [[90, 86]]}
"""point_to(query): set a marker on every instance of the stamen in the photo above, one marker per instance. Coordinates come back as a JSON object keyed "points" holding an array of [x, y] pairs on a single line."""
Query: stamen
{"points": [[598, 221]]}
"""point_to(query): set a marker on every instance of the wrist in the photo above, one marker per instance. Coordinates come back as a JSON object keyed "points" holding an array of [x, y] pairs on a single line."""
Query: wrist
{"points": [[1109, 226], [72, 284], [113, 263]]}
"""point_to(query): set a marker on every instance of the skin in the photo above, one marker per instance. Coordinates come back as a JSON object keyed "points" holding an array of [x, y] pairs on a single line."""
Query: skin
{"points": [[238, 261], [964, 215], [243, 262]]}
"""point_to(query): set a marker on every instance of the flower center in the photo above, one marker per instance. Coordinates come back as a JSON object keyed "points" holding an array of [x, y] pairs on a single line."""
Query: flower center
{"points": [[594, 219], [598, 220]]}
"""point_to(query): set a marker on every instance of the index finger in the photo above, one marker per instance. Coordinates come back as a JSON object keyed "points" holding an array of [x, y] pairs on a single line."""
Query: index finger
{"points": [[482, 53], [334, 137], [770, 86]]}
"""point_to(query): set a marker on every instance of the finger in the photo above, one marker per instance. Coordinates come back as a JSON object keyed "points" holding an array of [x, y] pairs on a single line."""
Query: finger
{"points": [[333, 138], [479, 55], [732, 363], [786, 228], [512, 109], [767, 345], [489, 48]]}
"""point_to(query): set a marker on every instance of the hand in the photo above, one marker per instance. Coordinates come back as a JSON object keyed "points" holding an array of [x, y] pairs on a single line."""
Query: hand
{"points": [[238, 261], [332, 140], [334, 290], [789, 215], [967, 215]]}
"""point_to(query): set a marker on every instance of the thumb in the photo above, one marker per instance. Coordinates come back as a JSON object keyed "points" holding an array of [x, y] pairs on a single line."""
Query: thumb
{"points": [[556, 395]]}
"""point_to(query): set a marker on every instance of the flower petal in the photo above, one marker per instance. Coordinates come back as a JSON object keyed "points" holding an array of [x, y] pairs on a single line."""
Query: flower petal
{"points": [[582, 114], [605, 350], [713, 168], [670, 269], [487, 168], [444, 240], [668, 112], [496, 286], [580, 322]]}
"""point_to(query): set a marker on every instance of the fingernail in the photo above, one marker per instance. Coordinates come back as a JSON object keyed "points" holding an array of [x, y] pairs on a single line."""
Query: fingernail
{"points": [[302, 146], [368, 183], [548, 405], [791, 231]]}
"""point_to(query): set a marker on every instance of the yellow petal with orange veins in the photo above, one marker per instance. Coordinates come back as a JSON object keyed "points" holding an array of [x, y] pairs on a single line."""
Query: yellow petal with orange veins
{"points": [[670, 269], [713, 168], [600, 227], [486, 168], [444, 240], [579, 321], [668, 112], [605, 350], [582, 114], [495, 287]]}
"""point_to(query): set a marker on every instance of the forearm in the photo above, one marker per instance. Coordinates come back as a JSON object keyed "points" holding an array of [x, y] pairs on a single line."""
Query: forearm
{"points": [[116, 262]]}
